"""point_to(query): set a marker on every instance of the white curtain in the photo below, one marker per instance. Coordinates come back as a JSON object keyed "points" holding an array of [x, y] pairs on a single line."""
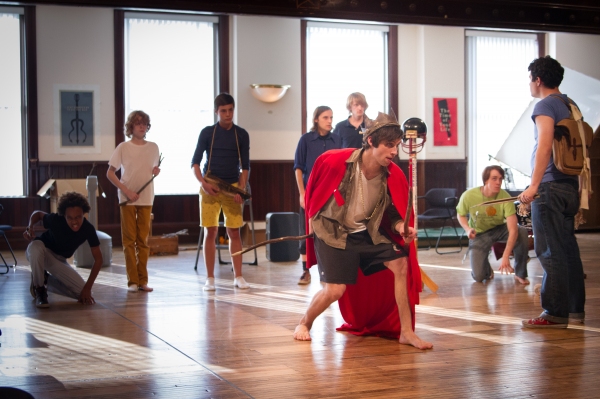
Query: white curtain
{"points": [[498, 95], [11, 131], [342, 59], [170, 75]]}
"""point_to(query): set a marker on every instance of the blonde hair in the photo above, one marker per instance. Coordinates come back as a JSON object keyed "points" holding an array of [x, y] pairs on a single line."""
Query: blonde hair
{"points": [[359, 98], [134, 117]]}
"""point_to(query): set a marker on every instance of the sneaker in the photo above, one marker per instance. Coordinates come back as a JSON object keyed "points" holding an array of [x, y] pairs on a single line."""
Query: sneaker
{"points": [[539, 322], [240, 283], [31, 286], [305, 278], [132, 288], [209, 285], [41, 297]]}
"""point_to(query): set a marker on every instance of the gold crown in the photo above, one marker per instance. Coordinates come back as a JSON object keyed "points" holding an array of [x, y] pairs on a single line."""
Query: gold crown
{"points": [[382, 120]]}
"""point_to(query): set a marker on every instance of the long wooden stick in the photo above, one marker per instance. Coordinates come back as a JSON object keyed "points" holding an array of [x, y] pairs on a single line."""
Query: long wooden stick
{"points": [[501, 201], [275, 240], [160, 159]]}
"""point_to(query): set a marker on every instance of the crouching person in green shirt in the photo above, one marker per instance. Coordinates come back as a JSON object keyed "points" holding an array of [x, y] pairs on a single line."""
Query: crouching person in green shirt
{"points": [[488, 224]]}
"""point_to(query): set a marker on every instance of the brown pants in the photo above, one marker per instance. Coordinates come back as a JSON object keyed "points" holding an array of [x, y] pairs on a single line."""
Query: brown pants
{"points": [[135, 227]]}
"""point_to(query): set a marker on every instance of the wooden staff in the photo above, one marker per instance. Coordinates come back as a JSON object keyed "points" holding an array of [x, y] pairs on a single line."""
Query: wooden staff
{"points": [[225, 187], [275, 240], [160, 159], [503, 200]]}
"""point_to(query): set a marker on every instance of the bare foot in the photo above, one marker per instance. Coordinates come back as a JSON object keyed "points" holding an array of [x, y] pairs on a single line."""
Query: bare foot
{"points": [[301, 333], [410, 338], [523, 281], [146, 288]]}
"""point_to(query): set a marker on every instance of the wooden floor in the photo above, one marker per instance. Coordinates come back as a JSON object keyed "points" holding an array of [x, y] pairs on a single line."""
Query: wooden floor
{"points": [[179, 342]]}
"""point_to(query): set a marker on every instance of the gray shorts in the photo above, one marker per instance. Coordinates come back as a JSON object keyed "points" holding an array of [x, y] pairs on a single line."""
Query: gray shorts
{"points": [[340, 266]]}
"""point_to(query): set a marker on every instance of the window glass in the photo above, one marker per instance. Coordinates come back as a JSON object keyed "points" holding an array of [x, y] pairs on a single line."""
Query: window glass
{"points": [[498, 96], [11, 127], [342, 59], [170, 74]]}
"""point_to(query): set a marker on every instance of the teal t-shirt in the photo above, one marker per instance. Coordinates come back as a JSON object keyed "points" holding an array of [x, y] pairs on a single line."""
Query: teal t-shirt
{"points": [[483, 218]]}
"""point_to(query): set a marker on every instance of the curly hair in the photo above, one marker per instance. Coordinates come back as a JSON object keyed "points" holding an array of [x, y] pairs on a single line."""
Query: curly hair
{"points": [[72, 200], [549, 71], [136, 117], [386, 134]]}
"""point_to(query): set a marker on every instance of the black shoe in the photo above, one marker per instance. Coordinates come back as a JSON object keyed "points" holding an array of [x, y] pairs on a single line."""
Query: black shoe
{"points": [[41, 297], [32, 288]]}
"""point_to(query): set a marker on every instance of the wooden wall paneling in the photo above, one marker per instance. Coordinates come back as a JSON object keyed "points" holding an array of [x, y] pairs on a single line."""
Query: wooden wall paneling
{"points": [[581, 16]]}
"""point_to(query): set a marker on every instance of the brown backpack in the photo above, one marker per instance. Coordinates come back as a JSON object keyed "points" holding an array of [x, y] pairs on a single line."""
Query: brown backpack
{"points": [[568, 146]]}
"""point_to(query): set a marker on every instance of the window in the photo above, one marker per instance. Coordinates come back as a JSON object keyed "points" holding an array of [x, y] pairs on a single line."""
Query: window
{"points": [[342, 59], [171, 74], [11, 103], [498, 94]]}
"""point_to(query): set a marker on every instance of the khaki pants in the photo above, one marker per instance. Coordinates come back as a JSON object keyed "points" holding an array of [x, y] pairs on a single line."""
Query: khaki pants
{"points": [[135, 227]]}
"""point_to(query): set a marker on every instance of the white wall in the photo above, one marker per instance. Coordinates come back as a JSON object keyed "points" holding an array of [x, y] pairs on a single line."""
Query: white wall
{"points": [[432, 64], [267, 50], [579, 52], [75, 47]]}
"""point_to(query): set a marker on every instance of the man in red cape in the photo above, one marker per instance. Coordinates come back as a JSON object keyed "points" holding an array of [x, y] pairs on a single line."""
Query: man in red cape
{"points": [[352, 195]]}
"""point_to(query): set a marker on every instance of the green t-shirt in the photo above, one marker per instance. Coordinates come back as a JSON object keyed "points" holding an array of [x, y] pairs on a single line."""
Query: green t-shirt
{"points": [[483, 218]]}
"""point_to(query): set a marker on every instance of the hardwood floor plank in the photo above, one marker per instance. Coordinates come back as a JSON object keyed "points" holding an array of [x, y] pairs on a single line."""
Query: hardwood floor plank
{"points": [[180, 342]]}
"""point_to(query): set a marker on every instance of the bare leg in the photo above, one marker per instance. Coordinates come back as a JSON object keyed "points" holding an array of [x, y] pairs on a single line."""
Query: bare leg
{"points": [[407, 335], [321, 301], [209, 249], [235, 245]]}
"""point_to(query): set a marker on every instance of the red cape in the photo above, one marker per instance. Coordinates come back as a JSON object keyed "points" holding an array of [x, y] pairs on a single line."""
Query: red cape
{"points": [[368, 307]]}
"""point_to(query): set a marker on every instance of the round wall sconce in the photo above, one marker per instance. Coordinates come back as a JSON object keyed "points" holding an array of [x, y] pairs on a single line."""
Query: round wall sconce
{"points": [[268, 93]]}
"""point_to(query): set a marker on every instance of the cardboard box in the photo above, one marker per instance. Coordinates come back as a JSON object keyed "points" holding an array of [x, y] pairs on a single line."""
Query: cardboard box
{"points": [[163, 245], [54, 188]]}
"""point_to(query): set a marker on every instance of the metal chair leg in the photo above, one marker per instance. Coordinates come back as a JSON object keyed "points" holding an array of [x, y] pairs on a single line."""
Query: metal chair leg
{"points": [[6, 265], [440, 237], [200, 237]]}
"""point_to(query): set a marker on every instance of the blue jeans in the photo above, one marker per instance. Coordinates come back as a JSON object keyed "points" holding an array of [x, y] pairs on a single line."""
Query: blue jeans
{"points": [[563, 289], [481, 245]]}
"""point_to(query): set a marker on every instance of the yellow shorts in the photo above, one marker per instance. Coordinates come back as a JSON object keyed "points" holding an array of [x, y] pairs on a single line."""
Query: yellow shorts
{"points": [[210, 208]]}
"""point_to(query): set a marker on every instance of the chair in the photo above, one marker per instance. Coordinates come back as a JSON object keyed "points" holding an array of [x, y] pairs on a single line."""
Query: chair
{"points": [[441, 205], [247, 203], [3, 229]]}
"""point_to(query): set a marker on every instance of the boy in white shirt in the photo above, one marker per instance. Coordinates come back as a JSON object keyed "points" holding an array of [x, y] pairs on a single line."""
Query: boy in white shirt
{"points": [[138, 160]]}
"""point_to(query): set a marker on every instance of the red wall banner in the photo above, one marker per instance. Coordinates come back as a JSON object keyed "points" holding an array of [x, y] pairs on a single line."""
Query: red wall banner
{"points": [[445, 121]]}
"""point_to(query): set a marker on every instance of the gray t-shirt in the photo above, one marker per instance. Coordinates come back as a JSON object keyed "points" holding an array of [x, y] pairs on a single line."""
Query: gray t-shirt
{"points": [[556, 109]]}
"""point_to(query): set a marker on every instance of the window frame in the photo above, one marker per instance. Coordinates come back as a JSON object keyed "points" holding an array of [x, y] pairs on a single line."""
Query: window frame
{"points": [[222, 63], [392, 68], [473, 179], [29, 109]]}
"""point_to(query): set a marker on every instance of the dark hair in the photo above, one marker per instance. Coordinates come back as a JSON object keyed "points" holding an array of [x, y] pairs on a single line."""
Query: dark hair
{"points": [[488, 171], [318, 111], [133, 118], [72, 200], [224, 99], [386, 134], [548, 70]]}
